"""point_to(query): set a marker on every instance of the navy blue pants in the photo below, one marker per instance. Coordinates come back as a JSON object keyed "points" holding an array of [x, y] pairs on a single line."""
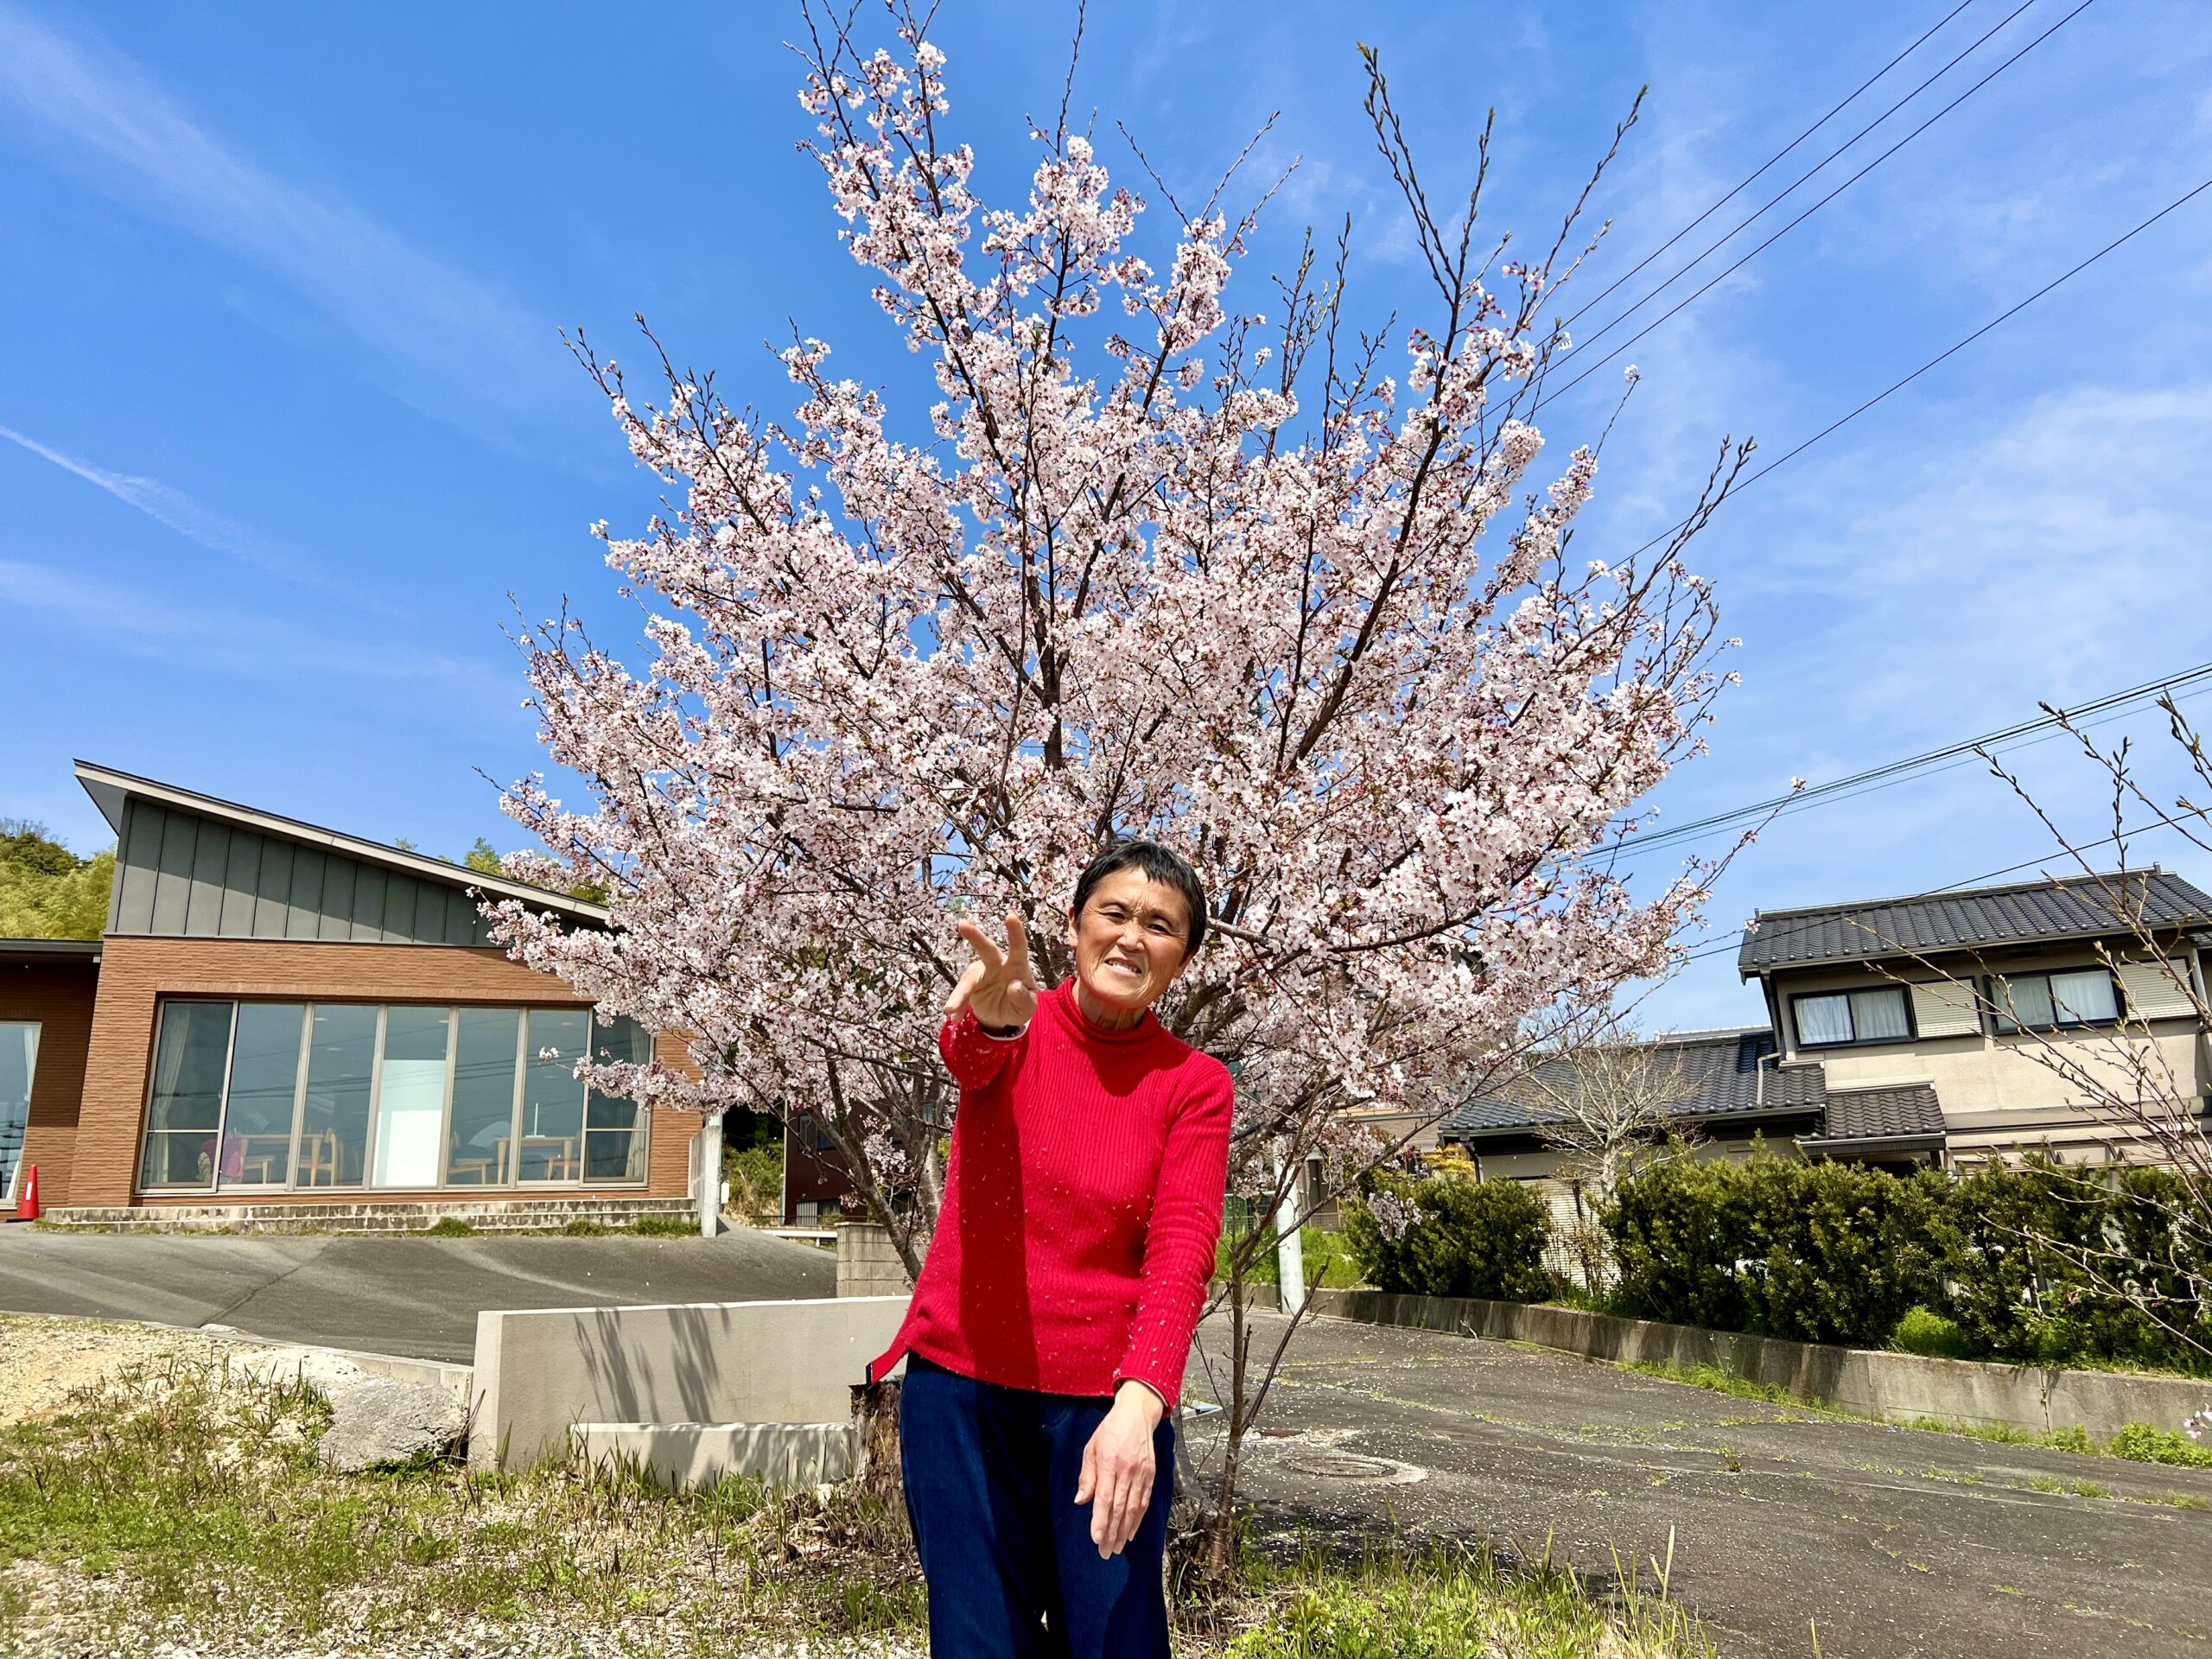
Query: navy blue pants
{"points": [[990, 1475]]}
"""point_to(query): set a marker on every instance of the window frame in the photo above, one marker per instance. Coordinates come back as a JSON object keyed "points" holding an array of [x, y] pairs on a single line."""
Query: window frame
{"points": [[2004, 1023], [1903, 992], [513, 1184], [161, 1007], [12, 1193]]}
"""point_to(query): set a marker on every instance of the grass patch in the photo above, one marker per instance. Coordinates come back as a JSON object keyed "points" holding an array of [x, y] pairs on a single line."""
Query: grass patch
{"points": [[181, 1496], [1452, 1601], [2137, 1442], [1713, 1378], [180, 1502], [658, 1226], [2143, 1443]]}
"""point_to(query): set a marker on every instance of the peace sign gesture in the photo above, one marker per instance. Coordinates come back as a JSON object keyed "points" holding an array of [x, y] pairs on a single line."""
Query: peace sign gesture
{"points": [[1000, 986]]}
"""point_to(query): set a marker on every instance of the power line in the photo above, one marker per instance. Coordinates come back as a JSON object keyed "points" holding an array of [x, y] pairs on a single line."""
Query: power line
{"points": [[1948, 765], [1600, 298], [1896, 769], [1976, 880], [1895, 386], [1691, 299]]}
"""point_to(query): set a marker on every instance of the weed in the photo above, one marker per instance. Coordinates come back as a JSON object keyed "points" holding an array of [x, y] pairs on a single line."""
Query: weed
{"points": [[1454, 1600], [2143, 1443], [1712, 1376], [185, 1494]]}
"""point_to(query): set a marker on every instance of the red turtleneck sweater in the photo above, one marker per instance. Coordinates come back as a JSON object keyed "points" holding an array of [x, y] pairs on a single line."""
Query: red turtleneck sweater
{"points": [[1082, 1203]]}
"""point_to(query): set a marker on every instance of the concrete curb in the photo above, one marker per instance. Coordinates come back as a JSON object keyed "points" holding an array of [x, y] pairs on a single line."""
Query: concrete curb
{"points": [[1865, 1382]]}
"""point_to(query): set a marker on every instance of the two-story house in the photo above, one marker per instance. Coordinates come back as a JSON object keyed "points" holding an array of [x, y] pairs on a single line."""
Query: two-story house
{"points": [[1923, 1029]]}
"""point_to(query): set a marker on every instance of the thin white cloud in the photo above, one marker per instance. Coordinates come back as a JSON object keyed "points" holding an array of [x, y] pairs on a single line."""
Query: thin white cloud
{"points": [[168, 505], [443, 340], [238, 641]]}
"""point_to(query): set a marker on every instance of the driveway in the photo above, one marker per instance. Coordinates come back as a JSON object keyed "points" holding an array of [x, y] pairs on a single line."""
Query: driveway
{"points": [[1898, 1541], [384, 1295]]}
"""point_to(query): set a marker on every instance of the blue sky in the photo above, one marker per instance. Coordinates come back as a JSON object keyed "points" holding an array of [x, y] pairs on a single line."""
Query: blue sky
{"points": [[286, 416]]}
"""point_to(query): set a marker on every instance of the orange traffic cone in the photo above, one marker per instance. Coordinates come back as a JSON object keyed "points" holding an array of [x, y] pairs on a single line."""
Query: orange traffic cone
{"points": [[27, 1205]]}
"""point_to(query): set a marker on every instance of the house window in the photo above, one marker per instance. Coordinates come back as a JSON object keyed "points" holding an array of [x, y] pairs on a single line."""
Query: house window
{"points": [[1880, 1015], [2080, 996], [18, 1060], [294, 1096]]}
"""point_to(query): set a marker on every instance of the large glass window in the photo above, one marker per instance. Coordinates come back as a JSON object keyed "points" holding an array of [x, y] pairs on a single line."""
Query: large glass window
{"points": [[614, 1140], [412, 1096], [479, 1139], [2080, 996], [185, 1111], [297, 1096], [18, 1061], [1878, 1015], [335, 1116], [550, 1148], [264, 1084]]}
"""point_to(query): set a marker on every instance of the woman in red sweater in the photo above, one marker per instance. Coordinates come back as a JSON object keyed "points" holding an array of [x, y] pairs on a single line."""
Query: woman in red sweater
{"points": [[1046, 1338]]}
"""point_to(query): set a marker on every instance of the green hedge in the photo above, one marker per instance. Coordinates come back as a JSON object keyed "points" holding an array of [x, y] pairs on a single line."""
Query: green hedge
{"points": [[1840, 1253], [1470, 1238], [1812, 1252], [1983, 1267]]}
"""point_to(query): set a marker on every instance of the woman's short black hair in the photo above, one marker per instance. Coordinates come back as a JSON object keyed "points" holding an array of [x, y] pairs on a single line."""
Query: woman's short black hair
{"points": [[1164, 865]]}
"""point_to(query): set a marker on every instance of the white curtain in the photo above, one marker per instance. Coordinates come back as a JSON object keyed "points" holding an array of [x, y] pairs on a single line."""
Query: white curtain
{"points": [[1879, 1016], [2085, 993], [1823, 1020], [2024, 1001]]}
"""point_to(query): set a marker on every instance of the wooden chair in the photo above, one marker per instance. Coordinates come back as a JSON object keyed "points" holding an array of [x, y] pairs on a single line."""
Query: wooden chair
{"points": [[318, 1158]]}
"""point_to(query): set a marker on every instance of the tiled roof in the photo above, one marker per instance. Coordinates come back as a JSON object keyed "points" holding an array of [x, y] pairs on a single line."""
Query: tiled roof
{"points": [[1719, 1073], [1906, 1111], [2076, 907]]}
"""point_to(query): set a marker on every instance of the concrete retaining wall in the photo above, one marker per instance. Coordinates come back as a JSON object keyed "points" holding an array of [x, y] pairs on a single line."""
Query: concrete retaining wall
{"points": [[867, 1264], [683, 1455], [485, 1215], [541, 1370], [1901, 1387]]}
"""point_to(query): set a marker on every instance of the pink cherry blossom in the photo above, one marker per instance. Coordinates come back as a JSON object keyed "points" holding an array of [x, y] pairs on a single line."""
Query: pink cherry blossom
{"points": [[1136, 573]]}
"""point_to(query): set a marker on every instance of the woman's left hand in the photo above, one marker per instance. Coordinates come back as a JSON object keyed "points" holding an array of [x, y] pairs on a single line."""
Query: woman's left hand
{"points": [[1117, 1468]]}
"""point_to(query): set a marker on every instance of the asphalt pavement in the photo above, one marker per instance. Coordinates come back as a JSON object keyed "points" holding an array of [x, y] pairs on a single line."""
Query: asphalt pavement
{"points": [[1898, 1541], [383, 1293]]}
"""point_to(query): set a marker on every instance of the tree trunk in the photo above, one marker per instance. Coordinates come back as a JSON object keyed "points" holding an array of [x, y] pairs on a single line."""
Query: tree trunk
{"points": [[875, 1450], [1221, 1551]]}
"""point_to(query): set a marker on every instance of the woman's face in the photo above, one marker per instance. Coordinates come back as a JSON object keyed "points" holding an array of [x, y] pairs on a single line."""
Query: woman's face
{"points": [[1130, 939]]}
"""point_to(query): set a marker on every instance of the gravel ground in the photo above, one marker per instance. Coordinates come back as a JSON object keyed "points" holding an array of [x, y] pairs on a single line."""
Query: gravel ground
{"points": [[44, 1361], [69, 1611]]}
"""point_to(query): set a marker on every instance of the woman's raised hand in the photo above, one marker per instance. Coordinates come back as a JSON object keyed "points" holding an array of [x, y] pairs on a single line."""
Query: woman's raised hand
{"points": [[1000, 986]]}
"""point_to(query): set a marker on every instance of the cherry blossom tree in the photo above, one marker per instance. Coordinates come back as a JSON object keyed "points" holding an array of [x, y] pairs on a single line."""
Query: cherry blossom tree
{"points": [[1152, 564]]}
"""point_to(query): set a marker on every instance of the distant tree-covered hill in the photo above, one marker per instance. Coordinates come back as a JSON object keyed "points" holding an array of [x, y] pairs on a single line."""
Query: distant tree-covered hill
{"points": [[46, 892]]}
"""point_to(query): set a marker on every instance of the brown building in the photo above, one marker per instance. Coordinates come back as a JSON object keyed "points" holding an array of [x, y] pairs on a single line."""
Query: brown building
{"points": [[282, 1014]]}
